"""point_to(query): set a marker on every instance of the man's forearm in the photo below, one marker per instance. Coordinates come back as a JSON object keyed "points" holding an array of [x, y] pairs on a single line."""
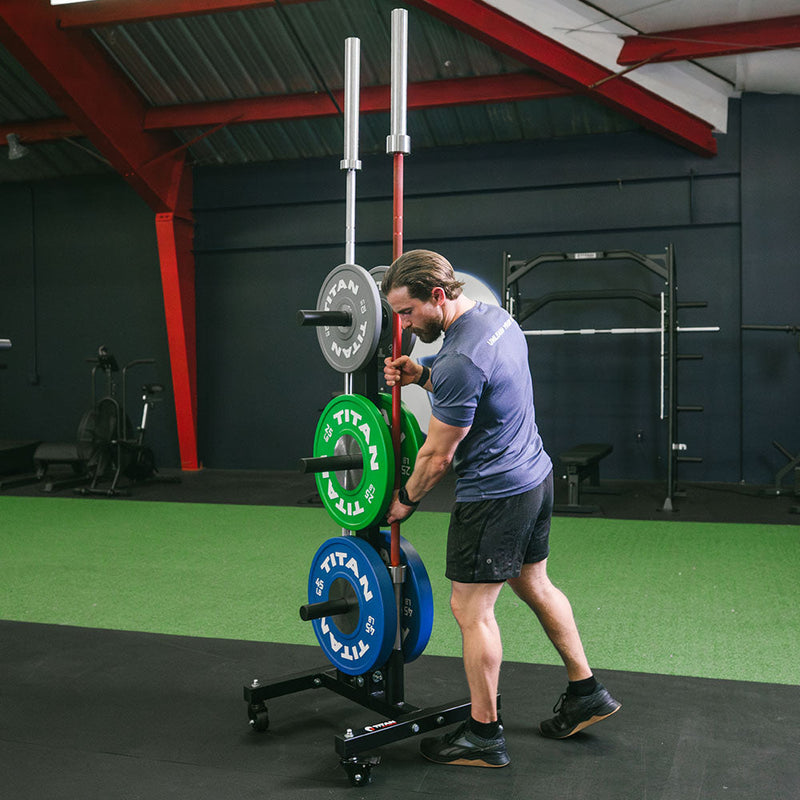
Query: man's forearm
{"points": [[429, 469]]}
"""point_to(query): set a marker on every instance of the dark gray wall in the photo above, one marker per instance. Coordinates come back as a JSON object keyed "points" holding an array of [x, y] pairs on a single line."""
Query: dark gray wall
{"points": [[78, 269], [770, 281], [267, 236]]}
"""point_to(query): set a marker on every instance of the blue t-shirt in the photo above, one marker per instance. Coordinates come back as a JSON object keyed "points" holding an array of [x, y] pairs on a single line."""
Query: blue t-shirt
{"points": [[481, 379]]}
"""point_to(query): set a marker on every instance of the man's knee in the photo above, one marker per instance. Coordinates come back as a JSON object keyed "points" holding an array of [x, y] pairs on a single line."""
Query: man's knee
{"points": [[473, 602], [533, 584]]}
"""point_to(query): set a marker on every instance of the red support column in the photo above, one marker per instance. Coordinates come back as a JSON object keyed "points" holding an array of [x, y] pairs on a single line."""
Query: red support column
{"points": [[175, 235]]}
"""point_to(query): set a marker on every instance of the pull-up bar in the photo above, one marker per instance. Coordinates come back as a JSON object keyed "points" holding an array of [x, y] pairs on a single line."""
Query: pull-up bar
{"points": [[652, 262]]}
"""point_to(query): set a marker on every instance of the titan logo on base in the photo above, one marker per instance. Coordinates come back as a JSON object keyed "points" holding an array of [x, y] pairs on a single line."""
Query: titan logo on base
{"points": [[380, 725]]}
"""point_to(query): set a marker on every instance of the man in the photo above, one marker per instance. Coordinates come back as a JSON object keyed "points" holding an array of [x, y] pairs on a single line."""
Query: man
{"points": [[483, 424]]}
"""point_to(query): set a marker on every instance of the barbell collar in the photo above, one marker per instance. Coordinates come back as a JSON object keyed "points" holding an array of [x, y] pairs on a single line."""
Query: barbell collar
{"points": [[319, 318], [398, 143], [328, 608], [397, 574], [331, 463]]}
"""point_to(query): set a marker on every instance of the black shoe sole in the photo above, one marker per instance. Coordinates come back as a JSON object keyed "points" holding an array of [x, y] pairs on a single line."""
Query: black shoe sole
{"points": [[581, 725], [468, 762]]}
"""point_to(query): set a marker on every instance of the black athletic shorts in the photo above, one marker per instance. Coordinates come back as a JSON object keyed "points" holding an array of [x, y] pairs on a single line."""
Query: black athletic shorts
{"points": [[489, 540]]}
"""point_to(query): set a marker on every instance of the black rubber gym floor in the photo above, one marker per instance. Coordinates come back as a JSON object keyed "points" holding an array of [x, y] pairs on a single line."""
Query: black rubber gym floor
{"points": [[109, 714], [87, 713], [696, 502]]}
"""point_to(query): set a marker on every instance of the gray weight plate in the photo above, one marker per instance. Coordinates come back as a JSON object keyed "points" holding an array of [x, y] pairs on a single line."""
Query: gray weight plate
{"points": [[350, 288]]}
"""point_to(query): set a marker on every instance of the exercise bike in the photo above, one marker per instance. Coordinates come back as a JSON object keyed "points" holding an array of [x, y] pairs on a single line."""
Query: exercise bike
{"points": [[90, 456], [130, 456]]}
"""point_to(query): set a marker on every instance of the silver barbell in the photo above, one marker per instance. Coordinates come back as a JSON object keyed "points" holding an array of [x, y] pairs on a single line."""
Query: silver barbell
{"points": [[592, 331]]}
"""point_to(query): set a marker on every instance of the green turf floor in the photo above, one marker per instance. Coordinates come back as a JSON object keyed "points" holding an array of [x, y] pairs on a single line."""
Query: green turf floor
{"points": [[678, 598]]}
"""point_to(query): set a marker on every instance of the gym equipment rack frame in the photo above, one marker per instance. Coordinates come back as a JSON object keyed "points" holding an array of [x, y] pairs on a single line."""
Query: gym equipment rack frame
{"points": [[663, 265]]}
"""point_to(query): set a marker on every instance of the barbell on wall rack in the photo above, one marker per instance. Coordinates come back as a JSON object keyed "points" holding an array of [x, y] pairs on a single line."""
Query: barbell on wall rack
{"points": [[616, 331], [634, 331], [794, 329]]}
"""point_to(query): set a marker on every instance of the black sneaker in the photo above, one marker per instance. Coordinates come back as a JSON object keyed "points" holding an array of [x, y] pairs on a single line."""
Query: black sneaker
{"points": [[466, 748], [573, 714]]}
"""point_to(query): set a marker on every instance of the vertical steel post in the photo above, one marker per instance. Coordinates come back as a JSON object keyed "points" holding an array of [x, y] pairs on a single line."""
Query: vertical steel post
{"points": [[398, 143], [350, 162], [672, 380]]}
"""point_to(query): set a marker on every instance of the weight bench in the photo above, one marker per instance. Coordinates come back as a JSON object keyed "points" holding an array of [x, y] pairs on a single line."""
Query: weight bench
{"points": [[16, 462], [582, 462]]}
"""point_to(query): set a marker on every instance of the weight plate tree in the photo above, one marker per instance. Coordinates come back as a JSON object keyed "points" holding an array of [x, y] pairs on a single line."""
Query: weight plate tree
{"points": [[349, 290], [416, 611], [352, 425], [370, 614], [362, 635]]}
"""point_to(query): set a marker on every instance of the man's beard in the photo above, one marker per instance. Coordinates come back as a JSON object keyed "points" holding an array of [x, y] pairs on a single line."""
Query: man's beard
{"points": [[431, 331]]}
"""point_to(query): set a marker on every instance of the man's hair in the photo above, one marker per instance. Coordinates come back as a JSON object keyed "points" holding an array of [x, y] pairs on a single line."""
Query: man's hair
{"points": [[421, 271]]}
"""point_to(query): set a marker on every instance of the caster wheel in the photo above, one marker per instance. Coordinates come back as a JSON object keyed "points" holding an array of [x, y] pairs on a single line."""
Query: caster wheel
{"points": [[359, 779], [360, 772], [259, 717]]}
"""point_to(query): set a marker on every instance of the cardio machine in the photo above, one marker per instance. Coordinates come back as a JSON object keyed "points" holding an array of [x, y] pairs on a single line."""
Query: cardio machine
{"points": [[130, 456], [90, 454]]}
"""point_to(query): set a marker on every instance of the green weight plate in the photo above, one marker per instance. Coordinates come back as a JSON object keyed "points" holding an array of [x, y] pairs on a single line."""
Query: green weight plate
{"points": [[411, 435], [351, 424], [351, 347]]}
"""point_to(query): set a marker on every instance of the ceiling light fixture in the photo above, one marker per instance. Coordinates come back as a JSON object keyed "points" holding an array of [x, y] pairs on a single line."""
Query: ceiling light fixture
{"points": [[15, 149]]}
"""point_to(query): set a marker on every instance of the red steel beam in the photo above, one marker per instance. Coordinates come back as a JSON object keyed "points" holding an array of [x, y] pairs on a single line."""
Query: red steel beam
{"points": [[711, 40], [76, 74], [116, 12], [427, 94], [558, 62], [175, 235], [42, 130]]}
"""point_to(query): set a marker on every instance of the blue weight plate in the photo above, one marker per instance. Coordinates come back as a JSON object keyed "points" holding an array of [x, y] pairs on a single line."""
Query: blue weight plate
{"points": [[416, 615], [370, 641]]}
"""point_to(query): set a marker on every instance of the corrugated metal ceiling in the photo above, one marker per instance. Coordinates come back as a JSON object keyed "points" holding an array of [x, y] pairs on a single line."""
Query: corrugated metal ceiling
{"points": [[293, 49]]}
